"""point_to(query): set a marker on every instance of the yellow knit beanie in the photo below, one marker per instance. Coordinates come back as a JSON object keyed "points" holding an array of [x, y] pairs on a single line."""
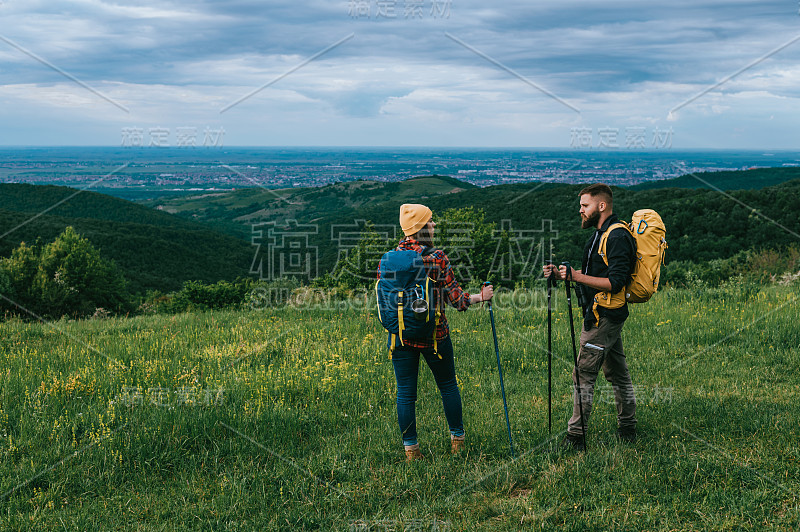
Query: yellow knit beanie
{"points": [[413, 217]]}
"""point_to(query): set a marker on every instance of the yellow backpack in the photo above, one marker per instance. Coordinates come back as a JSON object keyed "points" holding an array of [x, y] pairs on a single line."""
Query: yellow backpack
{"points": [[649, 232]]}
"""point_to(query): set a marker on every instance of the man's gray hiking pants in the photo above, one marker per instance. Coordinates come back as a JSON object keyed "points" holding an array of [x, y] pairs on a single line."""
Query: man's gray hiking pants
{"points": [[601, 347]]}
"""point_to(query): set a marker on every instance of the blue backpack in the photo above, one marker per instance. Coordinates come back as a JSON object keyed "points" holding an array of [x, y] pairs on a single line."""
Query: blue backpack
{"points": [[405, 294]]}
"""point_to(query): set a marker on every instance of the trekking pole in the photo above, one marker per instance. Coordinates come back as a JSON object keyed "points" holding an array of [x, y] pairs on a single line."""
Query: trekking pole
{"points": [[500, 371], [574, 350], [551, 282]]}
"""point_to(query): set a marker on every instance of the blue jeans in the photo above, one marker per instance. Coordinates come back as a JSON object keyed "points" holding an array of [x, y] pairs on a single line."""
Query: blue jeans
{"points": [[406, 367]]}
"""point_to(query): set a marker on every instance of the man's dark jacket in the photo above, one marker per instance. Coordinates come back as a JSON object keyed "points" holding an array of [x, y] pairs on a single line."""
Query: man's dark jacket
{"points": [[621, 253]]}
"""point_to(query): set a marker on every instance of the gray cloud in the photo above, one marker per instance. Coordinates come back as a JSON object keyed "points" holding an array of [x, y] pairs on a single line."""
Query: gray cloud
{"points": [[626, 57]]}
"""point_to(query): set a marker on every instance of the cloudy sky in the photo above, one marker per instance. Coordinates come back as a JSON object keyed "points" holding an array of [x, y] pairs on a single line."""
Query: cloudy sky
{"points": [[401, 72]]}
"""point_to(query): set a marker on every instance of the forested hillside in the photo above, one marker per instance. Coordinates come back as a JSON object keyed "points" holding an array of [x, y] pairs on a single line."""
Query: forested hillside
{"points": [[729, 180], [158, 250], [234, 212], [702, 224], [154, 250]]}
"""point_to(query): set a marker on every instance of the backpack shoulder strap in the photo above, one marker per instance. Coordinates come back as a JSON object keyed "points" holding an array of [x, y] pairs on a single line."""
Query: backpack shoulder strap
{"points": [[601, 248], [427, 252]]}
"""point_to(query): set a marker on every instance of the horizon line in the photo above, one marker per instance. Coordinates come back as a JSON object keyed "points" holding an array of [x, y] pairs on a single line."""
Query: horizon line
{"points": [[391, 147]]}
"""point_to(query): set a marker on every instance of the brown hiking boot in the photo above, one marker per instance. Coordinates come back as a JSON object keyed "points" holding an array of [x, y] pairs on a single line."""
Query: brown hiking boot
{"points": [[457, 444], [413, 453]]}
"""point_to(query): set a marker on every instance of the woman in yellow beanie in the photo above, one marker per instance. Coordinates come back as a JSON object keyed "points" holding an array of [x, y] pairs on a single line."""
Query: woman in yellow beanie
{"points": [[418, 227]]}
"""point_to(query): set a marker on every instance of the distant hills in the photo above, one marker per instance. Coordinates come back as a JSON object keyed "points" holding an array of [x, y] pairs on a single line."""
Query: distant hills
{"points": [[235, 211], [208, 237], [154, 249], [702, 223], [754, 178]]}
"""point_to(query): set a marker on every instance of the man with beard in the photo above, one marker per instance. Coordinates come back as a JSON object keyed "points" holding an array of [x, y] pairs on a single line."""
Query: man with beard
{"points": [[600, 340]]}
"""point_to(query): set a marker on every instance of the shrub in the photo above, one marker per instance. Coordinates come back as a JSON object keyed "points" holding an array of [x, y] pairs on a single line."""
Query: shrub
{"points": [[223, 295], [751, 266], [66, 277]]}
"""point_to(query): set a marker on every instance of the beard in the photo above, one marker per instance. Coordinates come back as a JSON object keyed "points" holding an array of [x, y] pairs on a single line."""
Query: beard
{"points": [[425, 238], [591, 221]]}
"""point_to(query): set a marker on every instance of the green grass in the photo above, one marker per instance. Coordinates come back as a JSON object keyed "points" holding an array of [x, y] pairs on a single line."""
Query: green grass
{"points": [[303, 434]]}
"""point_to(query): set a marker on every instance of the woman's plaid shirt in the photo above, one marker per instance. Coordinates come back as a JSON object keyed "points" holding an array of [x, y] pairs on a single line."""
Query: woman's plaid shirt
{"points": [[438, 268]]}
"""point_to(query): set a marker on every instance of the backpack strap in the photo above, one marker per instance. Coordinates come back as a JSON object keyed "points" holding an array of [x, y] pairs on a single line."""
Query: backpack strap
{"points": [[601, 248], [436, 313], [400, 324], [377, 297], [606, 299], [429, 250]]}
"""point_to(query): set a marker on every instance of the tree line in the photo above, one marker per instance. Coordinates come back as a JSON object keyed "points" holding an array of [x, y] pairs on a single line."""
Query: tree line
{"points": [[713, 237], [69, 276]]}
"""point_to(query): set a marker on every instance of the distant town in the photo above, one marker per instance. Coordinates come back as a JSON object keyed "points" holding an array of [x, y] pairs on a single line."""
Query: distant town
{"points": [[147, 173]]}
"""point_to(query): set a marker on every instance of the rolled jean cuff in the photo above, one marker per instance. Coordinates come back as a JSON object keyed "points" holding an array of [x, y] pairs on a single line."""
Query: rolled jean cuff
{"points": [[457, 433], [409, 442]]}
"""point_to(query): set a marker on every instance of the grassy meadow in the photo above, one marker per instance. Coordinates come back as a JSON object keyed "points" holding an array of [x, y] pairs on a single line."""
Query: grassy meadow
{"points": [[284, 419]]}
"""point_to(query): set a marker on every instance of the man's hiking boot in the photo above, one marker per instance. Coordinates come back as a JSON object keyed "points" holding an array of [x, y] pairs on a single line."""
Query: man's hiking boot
{"points": [[627, 435], [457, 444], [573, 442], [413, 453]]}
